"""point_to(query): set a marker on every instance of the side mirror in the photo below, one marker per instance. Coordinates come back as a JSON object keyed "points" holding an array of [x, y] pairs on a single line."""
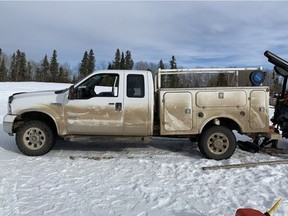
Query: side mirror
{"points": [[71, 95]]}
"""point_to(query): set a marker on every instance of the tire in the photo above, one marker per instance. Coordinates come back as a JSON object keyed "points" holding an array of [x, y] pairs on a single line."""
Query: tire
{"points": [[35, 138], [217, 143]]}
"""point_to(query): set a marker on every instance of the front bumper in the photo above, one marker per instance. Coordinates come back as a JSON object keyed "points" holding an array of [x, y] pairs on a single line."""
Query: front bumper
{"points": [[8, 122]]}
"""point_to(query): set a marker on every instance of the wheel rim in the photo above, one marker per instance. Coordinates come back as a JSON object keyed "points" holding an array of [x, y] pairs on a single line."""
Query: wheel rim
{"points": [[218, 143], [34, 138]]}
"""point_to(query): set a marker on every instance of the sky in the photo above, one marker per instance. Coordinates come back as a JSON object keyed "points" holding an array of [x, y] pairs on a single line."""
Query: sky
{"points": [[197, 33]]}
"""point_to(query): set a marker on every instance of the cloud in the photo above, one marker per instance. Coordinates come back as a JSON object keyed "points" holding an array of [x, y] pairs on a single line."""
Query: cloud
{"points": [[197, 33]]}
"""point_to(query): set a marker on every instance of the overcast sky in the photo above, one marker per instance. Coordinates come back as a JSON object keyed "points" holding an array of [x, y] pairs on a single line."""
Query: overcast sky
{"points": [[207, 33]]}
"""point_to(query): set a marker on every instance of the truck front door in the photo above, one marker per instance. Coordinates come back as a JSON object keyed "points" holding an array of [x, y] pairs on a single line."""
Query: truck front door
{"points": [[97, 106]]}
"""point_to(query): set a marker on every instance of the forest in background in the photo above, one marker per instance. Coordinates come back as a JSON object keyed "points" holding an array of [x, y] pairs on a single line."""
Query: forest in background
{"points": [[16, 68]]}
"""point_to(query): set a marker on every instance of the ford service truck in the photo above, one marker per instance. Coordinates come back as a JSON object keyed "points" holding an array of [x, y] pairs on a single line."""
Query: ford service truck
{"points": [[133, 104]]}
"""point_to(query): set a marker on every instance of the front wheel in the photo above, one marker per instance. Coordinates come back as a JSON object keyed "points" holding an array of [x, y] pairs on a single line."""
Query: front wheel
{"points": [[35, 138], [217, 143]]}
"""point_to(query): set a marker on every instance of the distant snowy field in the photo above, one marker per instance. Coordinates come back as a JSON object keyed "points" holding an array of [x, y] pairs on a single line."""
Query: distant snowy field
{"points": [[163, 177]]}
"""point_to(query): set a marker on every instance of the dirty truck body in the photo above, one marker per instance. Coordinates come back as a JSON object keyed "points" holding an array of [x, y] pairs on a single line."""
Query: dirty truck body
{"points": [[133, 104], [187, 112]]}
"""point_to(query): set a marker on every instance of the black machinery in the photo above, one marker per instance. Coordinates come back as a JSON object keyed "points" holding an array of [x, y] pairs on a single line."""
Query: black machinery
{"points": [[280, 118]]}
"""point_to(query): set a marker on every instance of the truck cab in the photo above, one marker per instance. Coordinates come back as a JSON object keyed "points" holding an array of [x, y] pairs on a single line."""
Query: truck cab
{"points": [[114, 103], [105, 103]]}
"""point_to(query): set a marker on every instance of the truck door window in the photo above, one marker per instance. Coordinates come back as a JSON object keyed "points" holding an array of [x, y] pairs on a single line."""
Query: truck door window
{"points": [[99, 85], [135, 86]]}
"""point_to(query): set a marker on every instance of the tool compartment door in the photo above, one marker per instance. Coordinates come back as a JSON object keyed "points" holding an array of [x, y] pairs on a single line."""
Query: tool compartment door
{"points": [[258, 115], [177, 111]]}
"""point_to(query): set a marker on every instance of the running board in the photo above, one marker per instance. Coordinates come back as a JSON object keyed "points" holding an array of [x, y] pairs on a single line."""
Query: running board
{"points": [[83, 138]]}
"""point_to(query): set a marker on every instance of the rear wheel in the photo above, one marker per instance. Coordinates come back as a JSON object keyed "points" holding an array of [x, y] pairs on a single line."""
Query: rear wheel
{"points": [[35, 138], [217, 143]]}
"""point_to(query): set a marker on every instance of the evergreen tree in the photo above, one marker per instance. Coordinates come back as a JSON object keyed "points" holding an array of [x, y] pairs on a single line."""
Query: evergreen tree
{"points": [[128, 61], [110, 67], [91, 62], [173, 80], [87, 65], [12, 72], [3, 70], [54, 68], [43, 73], [28, 75], [83, 66], [18, 67], [161, 64], [122, 62], [164, 79], [117, 61], [173, 64], [23, 67]]}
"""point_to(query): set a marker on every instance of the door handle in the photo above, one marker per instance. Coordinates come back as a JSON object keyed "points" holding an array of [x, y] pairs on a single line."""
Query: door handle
{"points": [[118, 106]]}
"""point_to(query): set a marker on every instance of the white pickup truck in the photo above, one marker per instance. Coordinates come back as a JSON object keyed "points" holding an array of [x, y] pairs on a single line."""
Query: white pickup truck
{"points": [[127, 103]]}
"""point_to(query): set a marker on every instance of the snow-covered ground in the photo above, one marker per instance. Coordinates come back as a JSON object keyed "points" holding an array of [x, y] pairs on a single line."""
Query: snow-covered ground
{"points": [[163, 177]]}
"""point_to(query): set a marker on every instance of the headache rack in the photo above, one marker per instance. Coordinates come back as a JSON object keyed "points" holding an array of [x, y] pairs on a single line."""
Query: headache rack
{"points": [[161, 72]]}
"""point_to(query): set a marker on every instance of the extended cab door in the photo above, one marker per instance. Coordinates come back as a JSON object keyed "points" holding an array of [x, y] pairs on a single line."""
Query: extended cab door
{"points": [[138, 104], [97, 107]]}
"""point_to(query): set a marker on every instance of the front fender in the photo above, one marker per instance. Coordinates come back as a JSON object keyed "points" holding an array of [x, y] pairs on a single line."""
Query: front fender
{"points": [[54, 116]]}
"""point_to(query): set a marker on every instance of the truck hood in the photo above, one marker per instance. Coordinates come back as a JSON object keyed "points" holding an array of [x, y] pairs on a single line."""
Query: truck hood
{"points": [[35, 100], [35, 94], [31, 94]]}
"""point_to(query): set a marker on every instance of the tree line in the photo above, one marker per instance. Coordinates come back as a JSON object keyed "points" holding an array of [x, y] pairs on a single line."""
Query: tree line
{"points": [[17, 68]]}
